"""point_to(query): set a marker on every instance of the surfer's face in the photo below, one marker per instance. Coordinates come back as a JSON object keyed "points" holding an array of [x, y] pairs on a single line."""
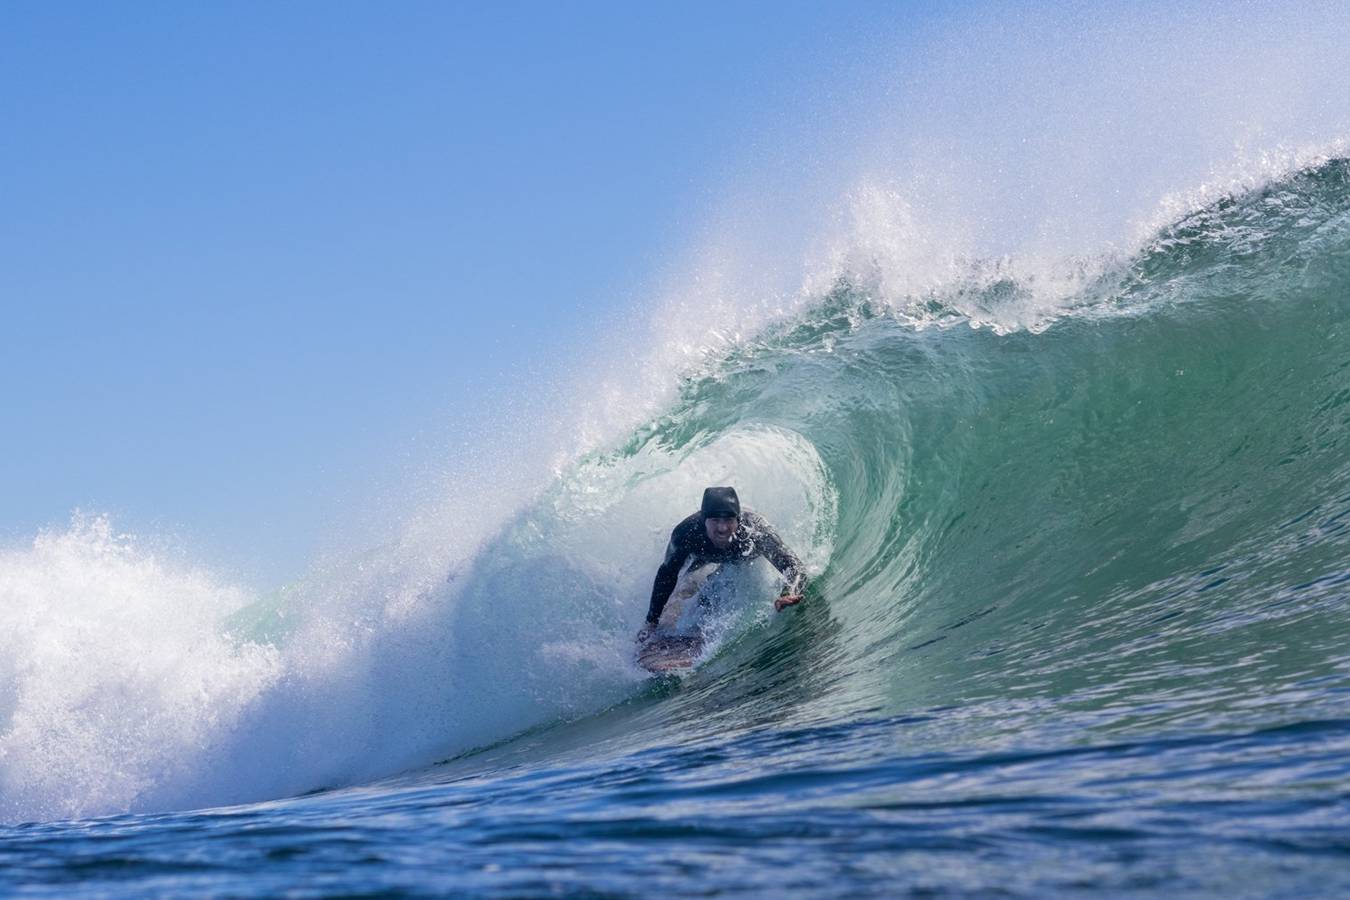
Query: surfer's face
{"points": [[720, 530]]}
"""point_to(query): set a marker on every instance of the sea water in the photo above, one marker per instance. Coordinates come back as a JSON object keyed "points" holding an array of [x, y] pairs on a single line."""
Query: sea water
{"points": [[1078, 622], [1079, 540]]}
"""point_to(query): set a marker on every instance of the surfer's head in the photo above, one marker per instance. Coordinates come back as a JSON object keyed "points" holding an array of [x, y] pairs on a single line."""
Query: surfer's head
{"points": [[721, 515]]}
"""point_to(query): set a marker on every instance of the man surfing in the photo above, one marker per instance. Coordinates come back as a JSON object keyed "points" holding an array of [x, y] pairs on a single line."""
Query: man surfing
{"points": [[720, 532]]}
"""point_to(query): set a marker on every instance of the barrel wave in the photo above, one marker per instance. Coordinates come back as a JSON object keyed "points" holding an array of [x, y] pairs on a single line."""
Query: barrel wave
{"points": [[1135, 507], [1079, 595]]}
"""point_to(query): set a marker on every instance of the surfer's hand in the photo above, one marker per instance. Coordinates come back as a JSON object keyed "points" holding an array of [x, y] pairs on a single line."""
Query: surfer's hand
{"points": [[785, 601], [643, 634]]}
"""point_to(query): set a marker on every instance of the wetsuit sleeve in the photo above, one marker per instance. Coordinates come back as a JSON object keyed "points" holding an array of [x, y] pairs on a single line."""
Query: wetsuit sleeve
{"points": [[771, 546], [677, 552]]}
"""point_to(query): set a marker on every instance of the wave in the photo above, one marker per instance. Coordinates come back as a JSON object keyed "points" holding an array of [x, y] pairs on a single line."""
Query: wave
{"points": [[1121, 503]]}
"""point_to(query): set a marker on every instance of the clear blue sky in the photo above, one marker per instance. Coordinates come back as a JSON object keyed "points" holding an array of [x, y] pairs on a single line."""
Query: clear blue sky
{"points": [[251, 253]]}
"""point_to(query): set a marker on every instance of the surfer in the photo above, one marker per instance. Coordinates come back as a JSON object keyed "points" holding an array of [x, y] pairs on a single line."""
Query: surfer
{"points": [[720, 532]]}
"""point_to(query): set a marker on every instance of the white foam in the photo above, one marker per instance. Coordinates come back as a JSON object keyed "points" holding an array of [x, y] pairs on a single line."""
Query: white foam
{"points": [[116, 672]]}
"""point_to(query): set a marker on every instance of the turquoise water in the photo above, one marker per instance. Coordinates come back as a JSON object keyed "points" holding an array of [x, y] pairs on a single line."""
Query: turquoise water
{"points": [[1078, 624]]}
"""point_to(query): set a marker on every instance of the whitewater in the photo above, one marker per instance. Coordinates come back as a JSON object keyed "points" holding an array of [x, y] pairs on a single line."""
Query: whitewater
{"points": [[1079, 530]]}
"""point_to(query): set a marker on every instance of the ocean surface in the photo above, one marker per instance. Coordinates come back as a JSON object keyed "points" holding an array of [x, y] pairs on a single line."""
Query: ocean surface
{"points": [[1078, 624]]}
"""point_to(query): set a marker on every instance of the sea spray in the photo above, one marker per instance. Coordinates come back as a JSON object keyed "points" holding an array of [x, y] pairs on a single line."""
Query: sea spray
{"points": [[117, 674]]}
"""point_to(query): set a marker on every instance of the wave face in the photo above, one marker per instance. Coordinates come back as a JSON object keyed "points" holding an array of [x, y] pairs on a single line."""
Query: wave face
{"points": [[1119, 517], [1131, 514]]}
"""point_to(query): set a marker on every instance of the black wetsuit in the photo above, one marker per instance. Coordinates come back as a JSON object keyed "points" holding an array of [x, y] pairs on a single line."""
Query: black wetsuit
{"points": [[753, 538]]}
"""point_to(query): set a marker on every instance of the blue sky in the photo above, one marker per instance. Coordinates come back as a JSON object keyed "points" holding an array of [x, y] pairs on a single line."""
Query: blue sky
{"points": [[254, 257], [265, 266]]}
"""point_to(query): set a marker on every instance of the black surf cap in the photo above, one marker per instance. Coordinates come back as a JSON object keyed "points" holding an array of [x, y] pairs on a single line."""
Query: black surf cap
{"points": [[721, 503]]}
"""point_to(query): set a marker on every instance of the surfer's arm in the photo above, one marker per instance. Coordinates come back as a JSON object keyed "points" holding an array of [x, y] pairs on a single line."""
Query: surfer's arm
{"points": [[784, 560], [666, 576]]}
